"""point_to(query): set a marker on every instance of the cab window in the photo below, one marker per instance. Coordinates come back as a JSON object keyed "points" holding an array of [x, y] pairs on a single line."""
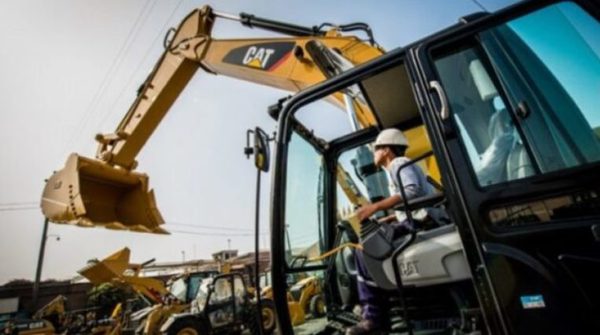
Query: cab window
{"points": [[525, 97], [304, 201]]}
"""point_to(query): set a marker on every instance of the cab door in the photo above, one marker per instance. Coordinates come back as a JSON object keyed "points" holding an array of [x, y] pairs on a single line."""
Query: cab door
{"points": [[512, 106]]}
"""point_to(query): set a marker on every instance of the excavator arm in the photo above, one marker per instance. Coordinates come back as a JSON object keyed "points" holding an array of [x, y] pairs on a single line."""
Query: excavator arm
{"points": [[107, 191]]}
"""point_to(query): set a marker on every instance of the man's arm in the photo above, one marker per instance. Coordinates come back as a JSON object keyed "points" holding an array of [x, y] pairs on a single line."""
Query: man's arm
{"points": [[387, 219], [381, 205]]}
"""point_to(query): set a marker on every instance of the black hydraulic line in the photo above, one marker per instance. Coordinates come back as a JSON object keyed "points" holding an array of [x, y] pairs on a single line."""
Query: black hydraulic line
{"points": [[252, 21], [353, 27]]}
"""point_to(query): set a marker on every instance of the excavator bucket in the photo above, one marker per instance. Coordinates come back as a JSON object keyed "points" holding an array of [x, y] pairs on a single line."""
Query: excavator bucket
{"points": [[89, 193]]}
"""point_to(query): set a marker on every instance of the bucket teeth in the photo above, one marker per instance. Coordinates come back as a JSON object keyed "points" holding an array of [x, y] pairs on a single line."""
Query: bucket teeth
{"points": [[159, 230], [140, 228], [84, 222]]}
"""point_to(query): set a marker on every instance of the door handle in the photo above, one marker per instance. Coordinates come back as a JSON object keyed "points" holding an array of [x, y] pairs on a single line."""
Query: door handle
{"points": [[596, 232], [437, 87]]}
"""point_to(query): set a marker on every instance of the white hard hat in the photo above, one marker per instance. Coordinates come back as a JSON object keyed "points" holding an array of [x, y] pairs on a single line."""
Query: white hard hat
{"points": [[391, 137]]}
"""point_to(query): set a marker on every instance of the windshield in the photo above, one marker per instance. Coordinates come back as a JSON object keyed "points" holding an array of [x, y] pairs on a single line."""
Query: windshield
{"points": [[178, 289], [202, 295], [304, 208]]}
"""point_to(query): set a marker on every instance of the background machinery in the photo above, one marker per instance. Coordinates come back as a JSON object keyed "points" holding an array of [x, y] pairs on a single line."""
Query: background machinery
{"points": [[163, 299], [224, 306]]}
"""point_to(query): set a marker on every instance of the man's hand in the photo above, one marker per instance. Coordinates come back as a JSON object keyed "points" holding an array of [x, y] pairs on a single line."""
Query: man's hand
{"points": [[366, 211], [387, 219]]}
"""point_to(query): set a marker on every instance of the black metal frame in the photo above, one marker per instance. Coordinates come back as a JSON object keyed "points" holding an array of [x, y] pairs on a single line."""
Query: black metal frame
{"points": [[414, 56], [472, 200]]}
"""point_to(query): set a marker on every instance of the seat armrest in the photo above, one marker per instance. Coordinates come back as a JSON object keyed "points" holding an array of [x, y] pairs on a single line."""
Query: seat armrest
{"points": [[421, 202]]}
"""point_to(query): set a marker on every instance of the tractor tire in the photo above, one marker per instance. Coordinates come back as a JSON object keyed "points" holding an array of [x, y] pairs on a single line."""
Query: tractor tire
{"points": [[187, 326], [317, 306], [269, 318]]}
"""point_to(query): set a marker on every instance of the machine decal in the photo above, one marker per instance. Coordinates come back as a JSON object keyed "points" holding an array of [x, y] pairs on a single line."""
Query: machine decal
{"points": [[264, 56], [532, 301], [409, 268]]}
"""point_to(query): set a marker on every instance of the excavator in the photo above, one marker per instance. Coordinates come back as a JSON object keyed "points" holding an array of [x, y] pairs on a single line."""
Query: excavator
{"points": [[488, 99], [107, 191]]}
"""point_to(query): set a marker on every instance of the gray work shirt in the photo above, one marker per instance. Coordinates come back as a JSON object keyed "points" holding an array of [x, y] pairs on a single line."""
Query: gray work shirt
{"points": [[415, 186]]}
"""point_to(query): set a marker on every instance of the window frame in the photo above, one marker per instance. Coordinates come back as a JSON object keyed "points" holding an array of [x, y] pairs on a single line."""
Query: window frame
{"points": [[320, 147], [470, 43], [484, 198]]}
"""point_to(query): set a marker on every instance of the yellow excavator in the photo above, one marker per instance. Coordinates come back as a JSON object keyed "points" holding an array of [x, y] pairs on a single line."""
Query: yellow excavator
{"points": [[107, 191]]}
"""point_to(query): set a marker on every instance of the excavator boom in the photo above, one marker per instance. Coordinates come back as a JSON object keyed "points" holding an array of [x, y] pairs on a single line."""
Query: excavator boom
{"points": [[106, 191]]}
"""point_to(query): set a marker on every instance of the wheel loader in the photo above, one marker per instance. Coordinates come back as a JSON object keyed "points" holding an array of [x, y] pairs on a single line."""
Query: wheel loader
{"points": [[224, 306], [164, 300], [304, 294]]}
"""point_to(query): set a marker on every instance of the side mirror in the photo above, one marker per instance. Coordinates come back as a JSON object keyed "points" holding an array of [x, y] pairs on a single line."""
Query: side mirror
{"points": [[260, 149]]}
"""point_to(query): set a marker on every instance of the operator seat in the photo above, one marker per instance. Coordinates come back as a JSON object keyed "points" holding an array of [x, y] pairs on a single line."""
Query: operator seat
{"points": [[518, 164], [438, 253], [494, 159], [506, 157]]}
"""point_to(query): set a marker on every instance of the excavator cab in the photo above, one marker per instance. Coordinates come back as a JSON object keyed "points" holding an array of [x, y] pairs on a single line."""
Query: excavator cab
{"points": [[516, 137]]}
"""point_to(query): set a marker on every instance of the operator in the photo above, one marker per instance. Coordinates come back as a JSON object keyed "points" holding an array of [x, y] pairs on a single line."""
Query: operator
{"points": [[389, 153]]}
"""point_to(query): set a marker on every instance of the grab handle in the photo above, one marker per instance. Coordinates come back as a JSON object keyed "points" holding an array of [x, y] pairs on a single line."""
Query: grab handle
{"points": [[437, 87]]}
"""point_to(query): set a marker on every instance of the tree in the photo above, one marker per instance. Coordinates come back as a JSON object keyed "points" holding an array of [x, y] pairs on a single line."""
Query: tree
{"points": [[18, 282]]}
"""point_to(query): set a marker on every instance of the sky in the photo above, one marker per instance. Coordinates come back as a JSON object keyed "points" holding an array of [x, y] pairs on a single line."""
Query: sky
{"points": [[70, 69]]}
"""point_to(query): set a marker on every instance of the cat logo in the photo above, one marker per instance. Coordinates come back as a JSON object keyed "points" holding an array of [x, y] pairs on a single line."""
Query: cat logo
{"points": [[409, 268], [264, 56], [257, 57]]}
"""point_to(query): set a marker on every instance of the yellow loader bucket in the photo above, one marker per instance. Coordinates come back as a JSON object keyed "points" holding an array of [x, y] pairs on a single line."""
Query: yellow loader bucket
{"points": [[112, 270], [89, 193], [107, 269]]}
